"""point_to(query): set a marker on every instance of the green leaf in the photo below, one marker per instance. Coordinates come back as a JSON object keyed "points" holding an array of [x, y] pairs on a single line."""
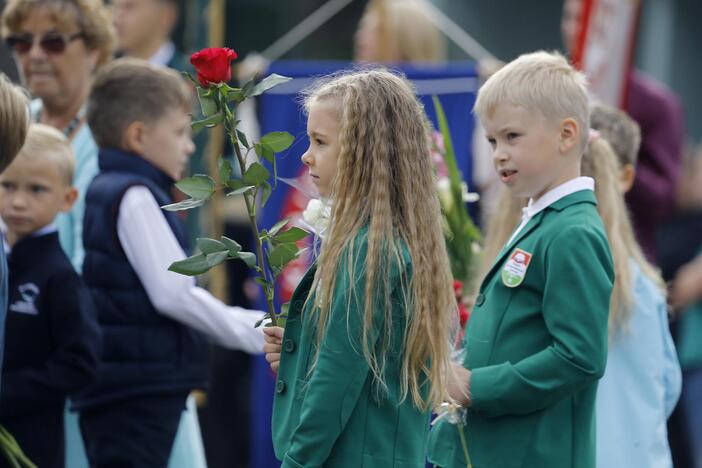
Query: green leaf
{"points": [[277, 141], [198, 186], [216, 258], [278, 226], [208, 122], [225, 170], [293, 234], [248, 257], [267, 192], [256, 174], [208, 246], [208, 104], [241, 190], [264, 151], [232, 245], [265, 317], [282, 254], [266, 84], [236, 95], [188, 204], [242, 138], [191, 266]]}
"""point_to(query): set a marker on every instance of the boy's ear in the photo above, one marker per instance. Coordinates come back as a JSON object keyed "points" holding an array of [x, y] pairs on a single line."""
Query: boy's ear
{"points": [[133, 138], [569, 134], [69, 199]]}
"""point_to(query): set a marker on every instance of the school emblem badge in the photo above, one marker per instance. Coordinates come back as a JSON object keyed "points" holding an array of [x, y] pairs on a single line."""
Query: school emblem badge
{"points": [[515, 268]]}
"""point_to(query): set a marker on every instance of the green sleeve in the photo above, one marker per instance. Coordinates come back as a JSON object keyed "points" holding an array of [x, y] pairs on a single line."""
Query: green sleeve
{"points": [[575, 306], [340, 374]]}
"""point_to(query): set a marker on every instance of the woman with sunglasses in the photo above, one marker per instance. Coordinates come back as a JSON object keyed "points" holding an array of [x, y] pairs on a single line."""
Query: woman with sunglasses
{"points": [[58, 46]]}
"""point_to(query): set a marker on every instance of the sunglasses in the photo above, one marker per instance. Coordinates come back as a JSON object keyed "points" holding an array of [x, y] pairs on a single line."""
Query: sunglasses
{"points": [[51, 43]]}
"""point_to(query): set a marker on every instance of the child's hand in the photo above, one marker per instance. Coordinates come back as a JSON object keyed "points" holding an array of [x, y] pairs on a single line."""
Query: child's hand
{"points": [[459, 385], [273, 345], [687, 286]]}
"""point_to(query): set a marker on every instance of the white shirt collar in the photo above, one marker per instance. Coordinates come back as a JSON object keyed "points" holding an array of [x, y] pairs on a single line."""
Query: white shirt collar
{"points": [[556, 193], [164, 54]]}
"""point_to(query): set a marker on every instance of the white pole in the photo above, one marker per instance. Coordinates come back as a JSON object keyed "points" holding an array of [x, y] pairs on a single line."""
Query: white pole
{"points": [[303, 29], [454, 32]]}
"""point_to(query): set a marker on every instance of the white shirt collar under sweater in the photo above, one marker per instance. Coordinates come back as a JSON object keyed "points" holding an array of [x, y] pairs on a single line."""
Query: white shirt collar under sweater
{"points": [[164, 54], [550, 197]]}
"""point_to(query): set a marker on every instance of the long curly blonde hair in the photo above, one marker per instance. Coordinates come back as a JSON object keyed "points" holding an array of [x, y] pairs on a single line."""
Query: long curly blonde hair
{"points": [[385, 181]]}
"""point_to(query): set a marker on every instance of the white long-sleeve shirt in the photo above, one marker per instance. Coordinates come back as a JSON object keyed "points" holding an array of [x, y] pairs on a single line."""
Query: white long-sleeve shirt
{"points": [[150, 247]]}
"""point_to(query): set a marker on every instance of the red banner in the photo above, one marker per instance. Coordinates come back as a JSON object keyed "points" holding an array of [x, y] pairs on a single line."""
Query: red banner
{"points": [[604, 47]]}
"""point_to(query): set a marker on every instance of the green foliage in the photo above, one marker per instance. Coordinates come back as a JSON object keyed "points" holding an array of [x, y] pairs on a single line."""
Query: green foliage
{"points": [[460, 231]]}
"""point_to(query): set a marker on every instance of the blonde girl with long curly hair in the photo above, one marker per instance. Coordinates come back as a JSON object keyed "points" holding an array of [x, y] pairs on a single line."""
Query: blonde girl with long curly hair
{"points": [[366, 348]]}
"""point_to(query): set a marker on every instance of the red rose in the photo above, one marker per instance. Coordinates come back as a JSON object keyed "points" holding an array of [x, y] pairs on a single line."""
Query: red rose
{"points": [[213, 65], [463, 315]]}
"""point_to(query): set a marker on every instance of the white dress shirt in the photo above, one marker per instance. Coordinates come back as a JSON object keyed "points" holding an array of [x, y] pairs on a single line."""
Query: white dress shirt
{"points": [[550, 197], [150, 247]]}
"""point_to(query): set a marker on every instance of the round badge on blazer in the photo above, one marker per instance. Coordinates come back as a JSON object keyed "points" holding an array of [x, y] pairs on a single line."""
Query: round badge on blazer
{"points": [[515, 268], [280, 386], [289, 346], [480, 299]]}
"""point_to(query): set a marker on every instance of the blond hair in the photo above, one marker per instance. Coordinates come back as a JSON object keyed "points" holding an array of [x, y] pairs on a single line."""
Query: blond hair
{"points": [[129, 90], [406, 24], [620, 130], [385, 181], [90, 16], [599, 162], [14, 120], [542, 82], [47, 144]]}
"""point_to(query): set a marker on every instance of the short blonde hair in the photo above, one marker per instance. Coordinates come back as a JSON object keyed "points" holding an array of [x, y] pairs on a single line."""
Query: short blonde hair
{"points": [[14, 120], [620, 130], [129, 90], [90, 16], [541, 82], [47, 144], [406, 23]]}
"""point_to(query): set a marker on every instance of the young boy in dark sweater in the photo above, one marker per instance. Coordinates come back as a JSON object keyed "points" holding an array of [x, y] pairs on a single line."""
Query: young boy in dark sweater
{"points": [[152, 319], [52, 341]]}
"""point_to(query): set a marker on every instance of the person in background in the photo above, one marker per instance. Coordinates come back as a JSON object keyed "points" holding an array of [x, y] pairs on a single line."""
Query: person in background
{"points": [[152, 319], [144, 29], [657, 111], [14, 122], [53, 343], [393, 31]]}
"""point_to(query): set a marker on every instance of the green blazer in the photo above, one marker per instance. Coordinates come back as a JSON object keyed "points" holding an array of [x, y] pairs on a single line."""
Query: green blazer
{"points": [[333, 416], [536, 349]]}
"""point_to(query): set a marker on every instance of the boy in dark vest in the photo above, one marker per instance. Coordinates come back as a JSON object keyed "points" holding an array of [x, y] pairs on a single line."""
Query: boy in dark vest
{"points": [[152, 320], [52, 342]]}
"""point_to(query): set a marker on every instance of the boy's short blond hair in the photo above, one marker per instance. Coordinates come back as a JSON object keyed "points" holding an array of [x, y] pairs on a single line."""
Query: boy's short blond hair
{"points": [[128, 90], [14, 120], [541, 82], [46, 144], [620, 130]]}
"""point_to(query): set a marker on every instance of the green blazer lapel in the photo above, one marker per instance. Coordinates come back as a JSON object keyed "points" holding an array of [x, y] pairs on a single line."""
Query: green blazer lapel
{"points": [[300, 295], [530, 226]]}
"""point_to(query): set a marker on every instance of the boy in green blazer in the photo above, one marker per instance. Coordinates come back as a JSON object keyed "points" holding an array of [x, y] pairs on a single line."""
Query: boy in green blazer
{"points": [[536, 343]]}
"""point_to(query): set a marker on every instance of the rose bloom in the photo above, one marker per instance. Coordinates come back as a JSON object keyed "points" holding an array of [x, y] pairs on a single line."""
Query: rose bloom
{"points": [[213, 65]]}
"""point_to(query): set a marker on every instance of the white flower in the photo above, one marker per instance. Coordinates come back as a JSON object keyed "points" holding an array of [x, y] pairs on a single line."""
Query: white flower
{"points": [[316, 215], [443, 187]]}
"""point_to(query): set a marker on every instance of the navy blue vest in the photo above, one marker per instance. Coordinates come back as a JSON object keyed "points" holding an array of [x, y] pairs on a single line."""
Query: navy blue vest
{"points": [[144, 351]]}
